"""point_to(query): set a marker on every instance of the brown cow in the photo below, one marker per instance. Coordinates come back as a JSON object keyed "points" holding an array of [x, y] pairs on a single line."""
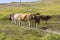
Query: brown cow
{"points": [[46, 18], [36, 18]]}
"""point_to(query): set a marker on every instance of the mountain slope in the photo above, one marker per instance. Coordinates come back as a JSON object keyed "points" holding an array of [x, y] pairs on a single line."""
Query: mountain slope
{"points": [[50, 1]]}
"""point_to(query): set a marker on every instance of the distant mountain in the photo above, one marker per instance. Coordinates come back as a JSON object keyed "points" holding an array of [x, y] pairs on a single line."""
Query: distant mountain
{"points": [[17, 4], [25, 4], [50, 1]]}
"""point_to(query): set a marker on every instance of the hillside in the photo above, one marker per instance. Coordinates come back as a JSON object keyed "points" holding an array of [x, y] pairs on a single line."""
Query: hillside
{"points": [[31, 3], [10, 31], [41, 6], [51, 1]]}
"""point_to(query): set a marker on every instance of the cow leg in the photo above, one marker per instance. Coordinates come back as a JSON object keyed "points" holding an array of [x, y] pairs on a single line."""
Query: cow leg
{"points": [[38, 23], [14, 21], [19, 22], [25, 23], [35, 24], [46, 21], [32, 23], [29, 23]]}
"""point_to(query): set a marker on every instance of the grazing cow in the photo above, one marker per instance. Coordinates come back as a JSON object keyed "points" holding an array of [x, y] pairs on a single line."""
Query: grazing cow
{"points": [[11, 17], [36, 18], [19, 17], [46, 18]]}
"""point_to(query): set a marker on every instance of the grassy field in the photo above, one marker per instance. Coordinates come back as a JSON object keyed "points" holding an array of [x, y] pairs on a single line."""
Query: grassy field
{"points": [[10, 31]]}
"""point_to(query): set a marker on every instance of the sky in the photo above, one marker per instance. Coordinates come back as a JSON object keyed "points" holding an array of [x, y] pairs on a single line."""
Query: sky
{"points": [[8, 1]]}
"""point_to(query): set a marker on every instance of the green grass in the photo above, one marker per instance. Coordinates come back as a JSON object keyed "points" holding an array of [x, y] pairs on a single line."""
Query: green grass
{"points": [[15, 32], [53, 37]]}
